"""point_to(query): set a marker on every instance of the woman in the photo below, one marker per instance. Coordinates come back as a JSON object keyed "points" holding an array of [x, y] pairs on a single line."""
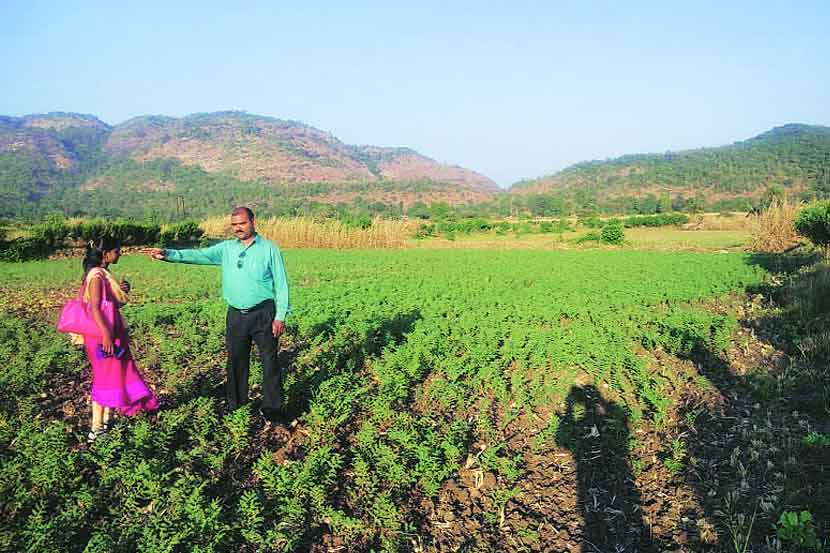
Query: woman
{"points": [[116, 381]]}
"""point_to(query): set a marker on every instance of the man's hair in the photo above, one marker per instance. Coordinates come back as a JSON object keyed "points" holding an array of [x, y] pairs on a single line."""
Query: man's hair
{"points": [[242, 209]]}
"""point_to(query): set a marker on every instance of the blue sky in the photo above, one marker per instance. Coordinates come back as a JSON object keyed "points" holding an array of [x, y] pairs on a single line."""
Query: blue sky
{"points": [[510, 89]]}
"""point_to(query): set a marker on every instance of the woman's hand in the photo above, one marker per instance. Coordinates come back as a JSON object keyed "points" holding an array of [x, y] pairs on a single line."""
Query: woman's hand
{"points": [[95, 286], [106, 342]]}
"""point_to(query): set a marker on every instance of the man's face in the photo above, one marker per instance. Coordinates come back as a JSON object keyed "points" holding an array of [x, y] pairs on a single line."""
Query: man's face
{"points": [[242, 227]]}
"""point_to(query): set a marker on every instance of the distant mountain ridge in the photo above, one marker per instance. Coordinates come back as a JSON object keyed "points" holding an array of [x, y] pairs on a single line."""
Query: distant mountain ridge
{"points": [[55, 154], [202, 163], [795, 157]]}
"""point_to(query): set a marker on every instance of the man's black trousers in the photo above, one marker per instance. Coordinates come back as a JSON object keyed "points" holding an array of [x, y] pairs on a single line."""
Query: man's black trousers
{"points": [[242, 327]]}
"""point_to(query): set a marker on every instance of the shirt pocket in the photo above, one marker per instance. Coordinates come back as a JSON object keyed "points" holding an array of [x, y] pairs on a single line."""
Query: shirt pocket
{"points": [[260, 269]]}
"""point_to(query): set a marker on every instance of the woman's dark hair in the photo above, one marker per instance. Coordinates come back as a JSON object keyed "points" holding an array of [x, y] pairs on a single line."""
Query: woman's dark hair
{"points": [[95, 251]]}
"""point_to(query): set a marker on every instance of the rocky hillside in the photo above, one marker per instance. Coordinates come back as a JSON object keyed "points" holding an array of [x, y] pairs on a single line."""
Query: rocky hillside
{"points": [[60, 157], [44, 146]]}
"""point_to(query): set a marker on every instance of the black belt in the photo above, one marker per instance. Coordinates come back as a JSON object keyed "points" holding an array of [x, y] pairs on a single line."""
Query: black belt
{"points": [[257, 307]]}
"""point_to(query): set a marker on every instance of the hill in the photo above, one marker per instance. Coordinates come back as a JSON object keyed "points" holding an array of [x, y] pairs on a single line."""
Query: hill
{"points": [[794, 157], [206, 162], [39, 153]]}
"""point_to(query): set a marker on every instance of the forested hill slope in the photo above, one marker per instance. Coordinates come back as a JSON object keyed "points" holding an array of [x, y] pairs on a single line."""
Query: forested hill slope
{"points": [[38, 152], [795, 157], [79, 165]]}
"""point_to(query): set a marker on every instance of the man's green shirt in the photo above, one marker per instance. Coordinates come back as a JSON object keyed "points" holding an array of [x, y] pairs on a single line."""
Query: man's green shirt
{"points": [[250, 275]]}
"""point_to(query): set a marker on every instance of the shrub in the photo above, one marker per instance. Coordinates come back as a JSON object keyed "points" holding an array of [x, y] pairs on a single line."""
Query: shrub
{"points": [[662, 220], [425, 230], [813, 222], [592, 236], [52, 232], [362, 221], [502, 227], [186, 231], [45, 238], [23, 249], [590, 222], [126, 232], [612, 233]]}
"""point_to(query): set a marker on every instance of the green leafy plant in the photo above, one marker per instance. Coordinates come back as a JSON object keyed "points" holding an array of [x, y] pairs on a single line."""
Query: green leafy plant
{"points": [[402, 379], [797, 529], [816, 439], [677, 458], [612, 233]]}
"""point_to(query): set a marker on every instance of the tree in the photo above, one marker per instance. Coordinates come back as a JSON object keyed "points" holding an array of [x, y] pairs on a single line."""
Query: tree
{"points": [[665, 203], [695, 205], [419, 210], [647, 205], [439, 211]]}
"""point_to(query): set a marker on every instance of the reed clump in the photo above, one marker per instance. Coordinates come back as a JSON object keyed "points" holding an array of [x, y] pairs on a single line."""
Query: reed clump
{"points": [[773, 230], [306, 232]]}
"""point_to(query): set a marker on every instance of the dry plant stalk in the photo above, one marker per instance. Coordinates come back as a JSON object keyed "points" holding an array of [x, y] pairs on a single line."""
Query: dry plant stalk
{"points": [[716, 221], [305, 232], [773, 230]]}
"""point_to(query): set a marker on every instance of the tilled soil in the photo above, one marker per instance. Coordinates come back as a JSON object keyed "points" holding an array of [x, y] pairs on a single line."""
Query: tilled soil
{"points": [[741, 465], [605, 484]]}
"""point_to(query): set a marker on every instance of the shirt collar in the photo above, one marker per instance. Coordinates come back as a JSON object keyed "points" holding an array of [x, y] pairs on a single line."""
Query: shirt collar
{"points": [[243, 246]]}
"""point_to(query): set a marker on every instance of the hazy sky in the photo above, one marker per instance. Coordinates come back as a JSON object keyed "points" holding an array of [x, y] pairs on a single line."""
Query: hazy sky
{"points": [[510, 89]]}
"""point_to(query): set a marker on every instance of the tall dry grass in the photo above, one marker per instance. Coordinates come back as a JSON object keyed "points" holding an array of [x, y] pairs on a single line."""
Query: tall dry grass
{"points": [[305, 232], [719, 221], [773, 230]]}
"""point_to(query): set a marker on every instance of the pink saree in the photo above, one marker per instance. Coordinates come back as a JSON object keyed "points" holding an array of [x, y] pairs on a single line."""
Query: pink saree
{"points": [[117, 382]]}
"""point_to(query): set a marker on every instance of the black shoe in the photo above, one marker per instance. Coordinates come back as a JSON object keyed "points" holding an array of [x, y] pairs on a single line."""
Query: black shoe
{"points": [[274, 416]]}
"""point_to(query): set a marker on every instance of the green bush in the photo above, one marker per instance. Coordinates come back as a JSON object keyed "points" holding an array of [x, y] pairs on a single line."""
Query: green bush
{"points": [[590, 222], [661, 220], [186, 231], [813, 222], [45, 238], [23, 249], [592, 236], [362, 221], [52, 232], [612, 233], [128, 233]]}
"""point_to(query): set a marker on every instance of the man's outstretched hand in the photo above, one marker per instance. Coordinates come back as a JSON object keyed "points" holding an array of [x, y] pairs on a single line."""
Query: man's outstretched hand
{"points": [[155, 253], [277, 328]]}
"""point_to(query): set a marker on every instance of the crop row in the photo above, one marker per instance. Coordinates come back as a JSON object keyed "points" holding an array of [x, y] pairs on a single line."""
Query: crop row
{"points": [[402, 366]]}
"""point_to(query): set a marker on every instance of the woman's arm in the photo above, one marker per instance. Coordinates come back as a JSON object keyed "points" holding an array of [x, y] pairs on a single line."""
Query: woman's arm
{"points": [[95, 285]]}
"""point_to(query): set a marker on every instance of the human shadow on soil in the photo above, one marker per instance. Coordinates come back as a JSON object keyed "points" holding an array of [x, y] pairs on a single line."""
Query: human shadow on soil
{"points": [[788, 263], [596, 431]]}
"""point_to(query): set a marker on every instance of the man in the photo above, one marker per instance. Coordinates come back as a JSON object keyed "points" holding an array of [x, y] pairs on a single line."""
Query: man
{"points": [[256, 288]]}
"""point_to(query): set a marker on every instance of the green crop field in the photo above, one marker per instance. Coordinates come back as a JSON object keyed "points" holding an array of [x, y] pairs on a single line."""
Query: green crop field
{"points": [[406, 371]]}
